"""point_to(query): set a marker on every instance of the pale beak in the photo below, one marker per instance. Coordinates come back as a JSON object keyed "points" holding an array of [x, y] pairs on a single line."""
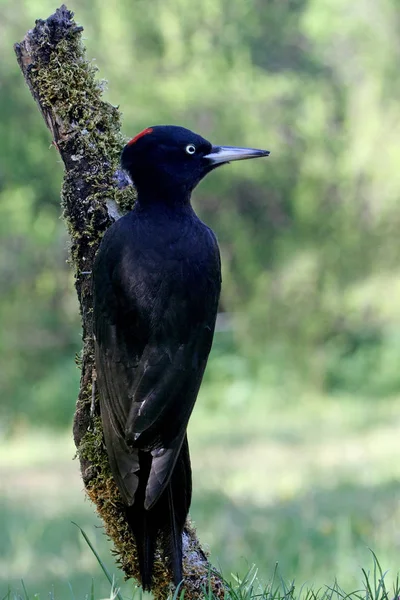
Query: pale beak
{"points": [[224, 154]]}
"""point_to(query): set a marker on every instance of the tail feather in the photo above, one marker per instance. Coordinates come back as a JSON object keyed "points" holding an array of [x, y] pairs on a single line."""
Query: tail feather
{"points": [[179, 495], [146, 539], [164, 521], [143, 526]]}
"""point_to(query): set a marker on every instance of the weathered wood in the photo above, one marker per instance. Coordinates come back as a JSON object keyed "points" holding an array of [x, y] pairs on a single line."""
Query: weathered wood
{"points": [[87, 133]]}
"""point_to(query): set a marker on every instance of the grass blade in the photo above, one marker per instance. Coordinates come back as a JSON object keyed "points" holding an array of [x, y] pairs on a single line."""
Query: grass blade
{"points": [[25, 591], [102, 565]]}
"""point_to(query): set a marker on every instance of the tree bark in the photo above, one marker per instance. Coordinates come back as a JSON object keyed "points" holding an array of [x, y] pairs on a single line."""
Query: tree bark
{"points": [[86, 132]]}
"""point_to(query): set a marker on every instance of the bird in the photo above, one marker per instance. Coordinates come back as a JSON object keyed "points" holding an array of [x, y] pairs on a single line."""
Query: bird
{"points": [[156, 288]]}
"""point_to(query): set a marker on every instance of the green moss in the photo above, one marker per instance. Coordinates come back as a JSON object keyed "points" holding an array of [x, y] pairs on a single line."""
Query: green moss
{"points": [[88, 131], [91, 447]]}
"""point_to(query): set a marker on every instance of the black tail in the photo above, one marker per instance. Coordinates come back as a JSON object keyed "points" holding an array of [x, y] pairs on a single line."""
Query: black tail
{"points": [[143, 526], [165, 520]]}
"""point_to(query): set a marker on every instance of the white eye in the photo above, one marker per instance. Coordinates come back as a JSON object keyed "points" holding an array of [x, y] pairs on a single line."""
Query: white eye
{"points": [[190, 149]]}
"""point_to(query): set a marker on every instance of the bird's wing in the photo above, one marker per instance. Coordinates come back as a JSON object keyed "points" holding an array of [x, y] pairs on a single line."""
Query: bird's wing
{"points": [[167, 387], [147, 393], [124, 460]]}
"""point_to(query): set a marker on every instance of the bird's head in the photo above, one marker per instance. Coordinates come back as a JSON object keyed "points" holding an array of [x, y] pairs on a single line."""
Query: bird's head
{"points": [[166, 162]]}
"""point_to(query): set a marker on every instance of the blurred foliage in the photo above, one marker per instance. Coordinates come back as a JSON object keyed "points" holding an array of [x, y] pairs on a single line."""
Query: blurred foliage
{"points": [[309, 237]]}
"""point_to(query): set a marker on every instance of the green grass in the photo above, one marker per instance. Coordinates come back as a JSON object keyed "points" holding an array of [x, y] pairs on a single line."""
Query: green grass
{"points": [[280, 476], [250, 587]]}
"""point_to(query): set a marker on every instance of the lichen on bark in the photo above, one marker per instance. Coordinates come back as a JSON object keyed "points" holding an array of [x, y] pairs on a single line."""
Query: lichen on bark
{"points": [[86, 131]]}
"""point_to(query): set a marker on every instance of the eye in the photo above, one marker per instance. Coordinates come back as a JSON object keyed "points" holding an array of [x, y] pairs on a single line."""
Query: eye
{"points": [[190, 149]]}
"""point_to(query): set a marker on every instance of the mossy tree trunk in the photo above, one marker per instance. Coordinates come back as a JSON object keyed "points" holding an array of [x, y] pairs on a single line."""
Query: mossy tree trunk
{"points": [[86, 132]]}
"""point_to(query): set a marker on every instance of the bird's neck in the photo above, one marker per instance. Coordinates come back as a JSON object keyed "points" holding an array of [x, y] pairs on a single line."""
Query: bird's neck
{"points": [[172, 197], [164, 206]]}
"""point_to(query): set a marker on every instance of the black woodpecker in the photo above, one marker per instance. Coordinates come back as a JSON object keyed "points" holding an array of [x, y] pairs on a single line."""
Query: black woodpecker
{"points": [[157, 281]]}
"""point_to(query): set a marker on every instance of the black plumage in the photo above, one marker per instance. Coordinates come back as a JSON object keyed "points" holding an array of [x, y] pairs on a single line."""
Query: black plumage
{"points": [[157, 280]]}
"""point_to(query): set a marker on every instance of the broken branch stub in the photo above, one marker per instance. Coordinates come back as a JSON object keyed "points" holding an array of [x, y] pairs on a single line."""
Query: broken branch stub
{"points": [[87, 133]]}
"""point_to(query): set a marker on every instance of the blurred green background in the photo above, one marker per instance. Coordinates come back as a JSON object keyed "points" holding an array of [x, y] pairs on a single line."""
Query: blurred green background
{"points": [[295, 436]]}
